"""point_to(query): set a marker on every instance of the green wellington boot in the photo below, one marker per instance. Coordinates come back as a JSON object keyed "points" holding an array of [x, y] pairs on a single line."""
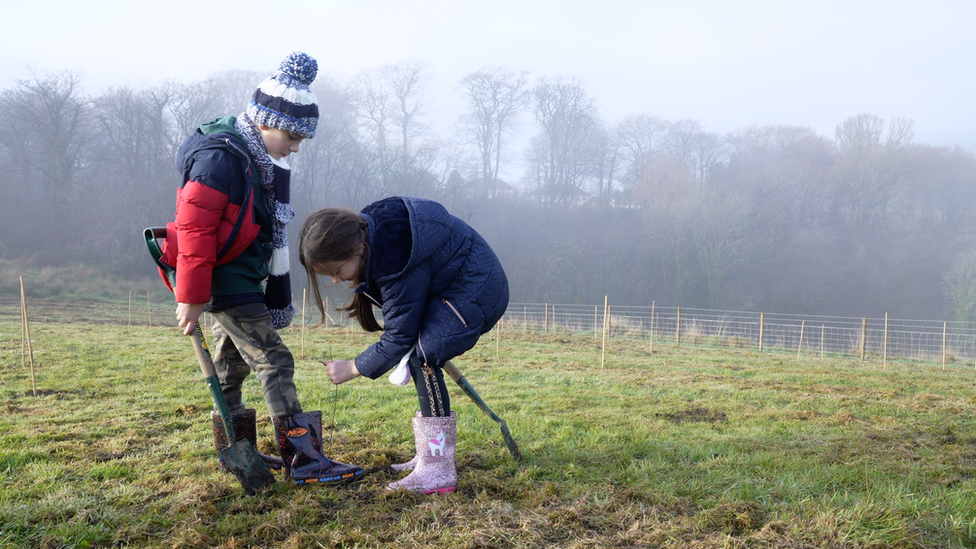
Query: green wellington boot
{"points": [[245, 427]]}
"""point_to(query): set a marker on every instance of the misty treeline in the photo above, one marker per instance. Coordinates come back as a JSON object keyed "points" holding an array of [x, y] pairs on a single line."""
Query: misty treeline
{"points": [[774, 218]]}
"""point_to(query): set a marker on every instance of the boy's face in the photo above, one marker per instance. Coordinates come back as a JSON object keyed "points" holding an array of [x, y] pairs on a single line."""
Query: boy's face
{"points": [[279, 143]]}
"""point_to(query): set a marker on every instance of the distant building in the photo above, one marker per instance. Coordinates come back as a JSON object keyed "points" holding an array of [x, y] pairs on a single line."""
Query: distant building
{"points": [[492, 188]]}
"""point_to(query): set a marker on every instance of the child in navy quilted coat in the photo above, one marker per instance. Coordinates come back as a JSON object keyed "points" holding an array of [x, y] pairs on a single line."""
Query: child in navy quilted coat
{"points": [[439, 286]]}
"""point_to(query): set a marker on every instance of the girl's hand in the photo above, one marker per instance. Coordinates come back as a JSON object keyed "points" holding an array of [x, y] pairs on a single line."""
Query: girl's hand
{"points": [[341, 371]]}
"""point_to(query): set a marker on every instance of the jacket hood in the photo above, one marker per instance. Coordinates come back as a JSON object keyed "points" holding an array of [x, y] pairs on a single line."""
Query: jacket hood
{"points": [[428, 227], [215, 134]]}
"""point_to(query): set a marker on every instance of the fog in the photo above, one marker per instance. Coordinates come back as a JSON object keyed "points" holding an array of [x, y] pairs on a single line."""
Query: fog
{"points": [[728, 65], [766, 157]]}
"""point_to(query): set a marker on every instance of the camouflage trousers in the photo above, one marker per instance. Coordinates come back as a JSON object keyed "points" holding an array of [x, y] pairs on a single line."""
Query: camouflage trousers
{"points": [[245, 341]]}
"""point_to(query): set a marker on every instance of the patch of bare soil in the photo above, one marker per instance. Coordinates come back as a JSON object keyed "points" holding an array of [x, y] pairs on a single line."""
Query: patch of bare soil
{"points": [[694, 415]]}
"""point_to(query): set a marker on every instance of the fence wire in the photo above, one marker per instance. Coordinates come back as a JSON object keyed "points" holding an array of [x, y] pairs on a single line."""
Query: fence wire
{"points": [[945, 342]]}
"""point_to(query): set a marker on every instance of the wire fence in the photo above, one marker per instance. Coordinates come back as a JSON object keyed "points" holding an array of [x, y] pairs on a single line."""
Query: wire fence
{"points": [[884, 339], [877, 339]]}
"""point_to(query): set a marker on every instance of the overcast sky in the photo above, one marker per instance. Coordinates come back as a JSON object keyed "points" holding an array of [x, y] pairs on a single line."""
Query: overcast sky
{"points": [[728, 64]]}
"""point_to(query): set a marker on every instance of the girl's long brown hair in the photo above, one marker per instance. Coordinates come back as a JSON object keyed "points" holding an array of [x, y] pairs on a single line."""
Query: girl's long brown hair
{"points": [[333, 235]]}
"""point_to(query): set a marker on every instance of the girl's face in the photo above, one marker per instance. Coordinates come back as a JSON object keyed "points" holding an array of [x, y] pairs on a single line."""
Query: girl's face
{"points": [[343, 271]]}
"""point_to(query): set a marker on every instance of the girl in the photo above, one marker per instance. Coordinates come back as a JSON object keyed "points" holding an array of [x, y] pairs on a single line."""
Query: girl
{"points": [[440, 286]]}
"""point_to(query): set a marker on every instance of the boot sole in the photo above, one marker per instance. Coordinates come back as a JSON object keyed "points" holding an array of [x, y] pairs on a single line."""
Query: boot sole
{"points": [[448, 490], [335, 479], [274, 466], [445, 490]]}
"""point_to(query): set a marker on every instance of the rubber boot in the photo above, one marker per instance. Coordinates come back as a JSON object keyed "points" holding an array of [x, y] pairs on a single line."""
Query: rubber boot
{"points": [[245, 427], [436, 442], [300, 442], [408, 466]]}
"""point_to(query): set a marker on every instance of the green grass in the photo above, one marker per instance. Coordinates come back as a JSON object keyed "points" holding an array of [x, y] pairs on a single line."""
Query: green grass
{"points": [[680, 448]]}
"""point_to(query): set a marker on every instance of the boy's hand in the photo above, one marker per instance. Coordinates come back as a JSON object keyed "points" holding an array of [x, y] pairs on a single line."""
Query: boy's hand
{"points": [[187, 315], [341, 371]]}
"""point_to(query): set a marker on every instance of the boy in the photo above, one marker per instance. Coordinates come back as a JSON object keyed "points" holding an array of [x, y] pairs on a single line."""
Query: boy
{"points": [[231, 213]]}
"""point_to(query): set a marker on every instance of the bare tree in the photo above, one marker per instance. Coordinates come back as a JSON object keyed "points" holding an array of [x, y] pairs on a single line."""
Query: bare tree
{"points": [[134, 166], [708, 151], [495, 98], [57, 117], [639, 139], [960, 286], [407, 82], [388, 98], [680, 139], [869, 174], [324, 172], [47, 123], [373, 103], [606, 155], [561, 156]]}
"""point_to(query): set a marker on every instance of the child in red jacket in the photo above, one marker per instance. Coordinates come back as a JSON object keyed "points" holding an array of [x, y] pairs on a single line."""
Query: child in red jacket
{"points": [[232, 209]]}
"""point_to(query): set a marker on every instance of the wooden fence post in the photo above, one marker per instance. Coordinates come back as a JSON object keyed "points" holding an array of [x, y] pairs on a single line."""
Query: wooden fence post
{"points": [[304, 292], [23, 327], [821, 341], [944, 325], [884, 357], [603, 349], [677, 329], [498, 337], [864, 335], [800, 346], [26, 331], [651, 346], [762, 326]]}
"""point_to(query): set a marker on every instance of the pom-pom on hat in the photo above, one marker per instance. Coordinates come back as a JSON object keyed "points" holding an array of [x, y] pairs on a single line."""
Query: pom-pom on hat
{"points": [[284, 100]]}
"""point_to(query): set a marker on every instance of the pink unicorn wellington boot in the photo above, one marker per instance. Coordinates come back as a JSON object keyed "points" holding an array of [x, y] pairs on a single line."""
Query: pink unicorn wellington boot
{"points": [[436, 441], [408, 466]]}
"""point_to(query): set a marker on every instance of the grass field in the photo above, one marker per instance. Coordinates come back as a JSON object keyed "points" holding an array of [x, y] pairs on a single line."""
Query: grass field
{"points": [[679, 448]]}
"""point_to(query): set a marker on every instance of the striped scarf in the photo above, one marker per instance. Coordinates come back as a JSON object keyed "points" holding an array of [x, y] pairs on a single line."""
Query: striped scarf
{"points": [[275, 179]]}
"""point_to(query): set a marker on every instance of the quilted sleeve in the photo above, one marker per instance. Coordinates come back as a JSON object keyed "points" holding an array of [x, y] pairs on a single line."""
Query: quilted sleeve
{"points": [[404, 303], [198, 215]]}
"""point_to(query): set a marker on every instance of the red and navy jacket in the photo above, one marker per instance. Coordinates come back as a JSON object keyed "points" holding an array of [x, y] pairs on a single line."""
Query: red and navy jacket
{"points": [[222, 226]]}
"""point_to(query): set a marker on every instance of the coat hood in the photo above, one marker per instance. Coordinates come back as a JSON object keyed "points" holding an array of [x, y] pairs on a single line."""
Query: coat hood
{"points": [[405, 243], [210, 136]]}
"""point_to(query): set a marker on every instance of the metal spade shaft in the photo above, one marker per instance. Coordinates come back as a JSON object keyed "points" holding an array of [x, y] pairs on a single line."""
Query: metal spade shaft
{"points": [[455, 374]]}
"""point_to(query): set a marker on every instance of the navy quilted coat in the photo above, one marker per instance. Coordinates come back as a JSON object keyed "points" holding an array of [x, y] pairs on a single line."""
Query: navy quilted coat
{"points": [[436, 279]]}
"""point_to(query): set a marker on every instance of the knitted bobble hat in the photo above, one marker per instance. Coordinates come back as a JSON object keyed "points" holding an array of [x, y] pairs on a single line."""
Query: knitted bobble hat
{"points": [[284, 100]]}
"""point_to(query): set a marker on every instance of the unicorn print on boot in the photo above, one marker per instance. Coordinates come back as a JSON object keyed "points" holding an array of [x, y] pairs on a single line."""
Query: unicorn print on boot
{"points": [[436, 444]]}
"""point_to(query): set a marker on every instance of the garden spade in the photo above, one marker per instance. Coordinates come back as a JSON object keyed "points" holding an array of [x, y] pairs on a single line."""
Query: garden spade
{"points": [[239, 456], [455, 374]]}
